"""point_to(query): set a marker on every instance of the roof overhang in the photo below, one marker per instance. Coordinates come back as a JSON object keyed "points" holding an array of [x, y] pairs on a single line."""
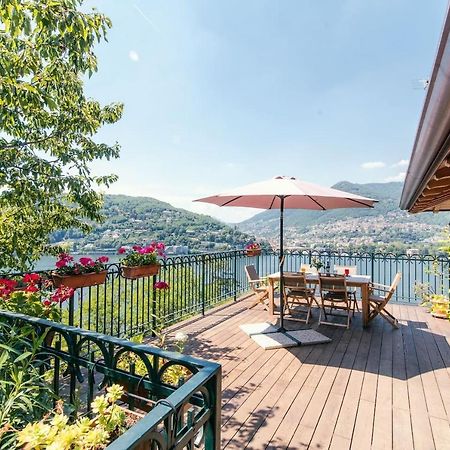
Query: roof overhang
{"points": [[427, 183]]}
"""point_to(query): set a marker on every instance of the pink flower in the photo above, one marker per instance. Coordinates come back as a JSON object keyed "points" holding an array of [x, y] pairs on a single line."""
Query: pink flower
{"points": [[121, 250], [86, 261], [61, 263], [161, 285], [142, 251], [61, 294], [136, 247], [160, 246], [103, 259]]}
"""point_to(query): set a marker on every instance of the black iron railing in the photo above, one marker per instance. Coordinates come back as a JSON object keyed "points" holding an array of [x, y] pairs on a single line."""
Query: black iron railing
{"points": [[177, 412], [123, 307]]}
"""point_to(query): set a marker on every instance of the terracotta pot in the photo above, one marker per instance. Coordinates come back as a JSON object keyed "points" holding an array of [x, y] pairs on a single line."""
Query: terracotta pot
{"points": [[79, 281], [134, 272], [253, 251]]}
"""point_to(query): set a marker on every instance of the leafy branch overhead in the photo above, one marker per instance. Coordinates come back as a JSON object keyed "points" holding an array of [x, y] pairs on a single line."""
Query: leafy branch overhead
{"points": [[48, 125]]}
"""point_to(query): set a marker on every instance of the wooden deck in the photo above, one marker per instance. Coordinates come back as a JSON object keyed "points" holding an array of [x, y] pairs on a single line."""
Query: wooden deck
{"points": [[376, 388]]}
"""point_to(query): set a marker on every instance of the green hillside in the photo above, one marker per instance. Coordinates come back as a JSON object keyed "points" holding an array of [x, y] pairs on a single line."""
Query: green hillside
{"points": [[136, 220], [384, 225]]}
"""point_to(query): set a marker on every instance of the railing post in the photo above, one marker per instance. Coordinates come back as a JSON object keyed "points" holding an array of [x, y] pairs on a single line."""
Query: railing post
{"points": [[153, 278], [213, 426], [203, 284], [72, 310], [235, 276], [372, 265]]}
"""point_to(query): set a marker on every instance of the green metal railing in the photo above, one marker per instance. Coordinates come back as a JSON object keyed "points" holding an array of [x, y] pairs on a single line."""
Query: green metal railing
{"points": [[81, 363]]}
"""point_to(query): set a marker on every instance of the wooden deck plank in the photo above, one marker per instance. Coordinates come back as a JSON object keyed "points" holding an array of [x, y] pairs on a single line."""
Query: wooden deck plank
{"points": [[421, 427]]}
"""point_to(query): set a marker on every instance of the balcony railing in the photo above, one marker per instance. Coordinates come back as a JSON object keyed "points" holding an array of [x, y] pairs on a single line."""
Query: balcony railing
{"points": [[79, 362], [123, 307]]}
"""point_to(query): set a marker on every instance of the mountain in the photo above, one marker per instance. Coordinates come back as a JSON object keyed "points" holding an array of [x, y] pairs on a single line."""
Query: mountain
{"points": [[385, 226], [139, 220]]}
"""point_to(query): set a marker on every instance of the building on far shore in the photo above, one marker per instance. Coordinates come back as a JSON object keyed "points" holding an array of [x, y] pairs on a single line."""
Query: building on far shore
{"points": [[177, 250]]}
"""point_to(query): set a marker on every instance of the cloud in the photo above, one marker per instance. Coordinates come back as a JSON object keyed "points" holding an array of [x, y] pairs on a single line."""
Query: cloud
{"points": [[401, 163], [399, 177], [373, 165], [133, 55]]}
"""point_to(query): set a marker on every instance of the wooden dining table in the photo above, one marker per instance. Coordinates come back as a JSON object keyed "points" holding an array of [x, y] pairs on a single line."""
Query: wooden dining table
{"points": [[358, 281]]}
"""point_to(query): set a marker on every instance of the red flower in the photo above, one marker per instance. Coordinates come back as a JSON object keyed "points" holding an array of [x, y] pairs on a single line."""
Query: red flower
{"points": [[160, 246], [121, 250], [103, 259], [46, 302], [161, 285], [136, 247], [6, 286], [31, 288], [61, 263], [86, 261], [31, 278], [62, 294]]}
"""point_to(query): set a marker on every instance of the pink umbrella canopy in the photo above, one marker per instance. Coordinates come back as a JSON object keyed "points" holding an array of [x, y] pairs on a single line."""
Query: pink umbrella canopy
{"points": [[297, 194], [287, 192]]}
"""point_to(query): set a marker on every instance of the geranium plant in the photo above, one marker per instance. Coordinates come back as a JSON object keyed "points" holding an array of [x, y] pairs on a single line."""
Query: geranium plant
{"points": [[142, 255], [253, 246], [37, 298], [66, 265]]}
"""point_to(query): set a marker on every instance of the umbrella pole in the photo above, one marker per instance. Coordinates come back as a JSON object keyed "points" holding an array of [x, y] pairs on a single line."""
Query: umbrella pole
{"points": [[281, 265]]}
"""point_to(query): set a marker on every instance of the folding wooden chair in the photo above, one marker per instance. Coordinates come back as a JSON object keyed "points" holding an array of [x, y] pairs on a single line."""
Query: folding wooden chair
{"points": [[257, 286], [377, 303], [334, 295], [352, 270], [297, 292]]}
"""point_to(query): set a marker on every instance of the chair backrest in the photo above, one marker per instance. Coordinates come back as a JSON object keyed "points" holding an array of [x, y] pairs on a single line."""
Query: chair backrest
{"points": [[333, 287], [252, 274], [295, 281], [388, 295], [340, 270]]}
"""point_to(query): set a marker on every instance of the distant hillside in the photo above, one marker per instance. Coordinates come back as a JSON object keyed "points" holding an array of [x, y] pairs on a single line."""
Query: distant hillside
{"points": [[360, 228], [135, 220]]}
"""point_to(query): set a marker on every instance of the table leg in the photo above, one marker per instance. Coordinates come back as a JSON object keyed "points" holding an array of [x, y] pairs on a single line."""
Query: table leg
{"points": [[271, 296], [365, 304]]}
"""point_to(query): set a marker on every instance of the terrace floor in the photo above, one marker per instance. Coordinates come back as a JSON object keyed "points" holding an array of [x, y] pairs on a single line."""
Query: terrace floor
{"points": [[376, 388]]}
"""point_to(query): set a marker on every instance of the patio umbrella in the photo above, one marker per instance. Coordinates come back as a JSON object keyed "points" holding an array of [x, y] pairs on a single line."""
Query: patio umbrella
{"points": [[287, 193]]}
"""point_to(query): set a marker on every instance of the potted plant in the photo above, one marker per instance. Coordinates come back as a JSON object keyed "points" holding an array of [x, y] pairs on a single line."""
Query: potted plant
{"points": [[317, 263], [138, 262], [253, 249], [37, 298], [85, 272], [57, 430], [439, 306]]}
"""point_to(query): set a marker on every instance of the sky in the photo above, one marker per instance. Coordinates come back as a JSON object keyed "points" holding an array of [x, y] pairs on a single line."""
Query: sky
{"points": [[218, 94]]}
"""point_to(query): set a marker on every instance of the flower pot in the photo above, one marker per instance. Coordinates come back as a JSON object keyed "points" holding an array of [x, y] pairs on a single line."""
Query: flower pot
{"points": [[253, 251], [133, 272], [81, 280]]}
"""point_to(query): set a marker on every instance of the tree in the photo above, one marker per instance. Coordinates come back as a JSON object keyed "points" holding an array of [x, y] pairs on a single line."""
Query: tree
{"points": [[48, 125]]}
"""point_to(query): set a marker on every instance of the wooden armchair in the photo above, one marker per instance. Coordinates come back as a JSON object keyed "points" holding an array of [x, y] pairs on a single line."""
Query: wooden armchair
{"points": [[377, 302], [258, 287]]}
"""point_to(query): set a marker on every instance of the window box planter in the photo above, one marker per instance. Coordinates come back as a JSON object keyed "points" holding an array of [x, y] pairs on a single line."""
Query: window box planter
{"points": [[253, 251], [133, 272], [81, 280]]}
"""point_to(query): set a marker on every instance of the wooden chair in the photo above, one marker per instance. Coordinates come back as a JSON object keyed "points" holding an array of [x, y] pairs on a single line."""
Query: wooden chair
{"points": [[257, 286], [297, 292], [352, 270], [334, 295], [377, 303]]}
